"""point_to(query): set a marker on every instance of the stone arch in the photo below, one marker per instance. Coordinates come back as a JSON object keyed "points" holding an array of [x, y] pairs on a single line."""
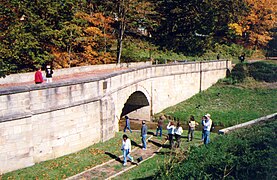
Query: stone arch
{"points": [[137, 105]]}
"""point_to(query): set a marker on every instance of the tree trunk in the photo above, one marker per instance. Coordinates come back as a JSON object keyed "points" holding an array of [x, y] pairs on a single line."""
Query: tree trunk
{"points": [[121, 29]]}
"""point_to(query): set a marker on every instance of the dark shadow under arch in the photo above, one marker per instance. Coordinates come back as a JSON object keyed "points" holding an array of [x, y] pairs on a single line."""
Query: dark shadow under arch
{"points": [[135, 101]]}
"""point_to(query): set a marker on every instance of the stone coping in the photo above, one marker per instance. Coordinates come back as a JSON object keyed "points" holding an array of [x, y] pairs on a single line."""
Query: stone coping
{"points": [[67, 82], [249, 123]]}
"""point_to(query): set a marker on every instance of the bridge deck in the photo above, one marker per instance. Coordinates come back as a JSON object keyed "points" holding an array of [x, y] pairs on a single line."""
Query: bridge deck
{"points": [[81, 75]]}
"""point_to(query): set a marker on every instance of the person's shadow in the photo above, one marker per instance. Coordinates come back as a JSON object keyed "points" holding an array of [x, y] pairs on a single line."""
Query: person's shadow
{"points": [[135, 144], [156, 143], [114, 157]]}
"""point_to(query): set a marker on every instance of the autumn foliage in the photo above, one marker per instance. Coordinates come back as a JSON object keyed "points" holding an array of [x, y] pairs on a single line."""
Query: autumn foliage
{"points": [[256, 26], [90, 44], [76, 33]]}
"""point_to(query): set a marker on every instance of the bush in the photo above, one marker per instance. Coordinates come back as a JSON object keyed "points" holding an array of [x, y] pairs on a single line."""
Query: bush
{"points": [[244, 154], [262, 71], [239, 73]]}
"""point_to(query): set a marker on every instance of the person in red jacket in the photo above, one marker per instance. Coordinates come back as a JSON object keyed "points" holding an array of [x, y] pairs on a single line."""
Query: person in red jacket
{"points": [[38, 76]]}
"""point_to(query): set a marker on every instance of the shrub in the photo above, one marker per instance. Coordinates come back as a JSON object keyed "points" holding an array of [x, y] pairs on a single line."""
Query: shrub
{"points": [[239, 73], [262, 71]]}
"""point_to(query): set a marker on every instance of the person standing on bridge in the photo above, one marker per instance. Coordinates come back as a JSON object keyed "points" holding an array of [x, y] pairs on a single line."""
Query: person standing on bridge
{"points": [[143, 135], [126, 148], [127, 124], [38, 76], [48, 72]]}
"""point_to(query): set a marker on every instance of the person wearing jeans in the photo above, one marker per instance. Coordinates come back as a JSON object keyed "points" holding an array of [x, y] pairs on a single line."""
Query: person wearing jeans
{"points": [[126, 148], [143, 135], [127, 125], [159, 128], [207, 127]]}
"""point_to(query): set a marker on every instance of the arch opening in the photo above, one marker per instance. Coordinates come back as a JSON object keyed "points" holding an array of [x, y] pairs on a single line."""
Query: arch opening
{"points": [[137, 107]]}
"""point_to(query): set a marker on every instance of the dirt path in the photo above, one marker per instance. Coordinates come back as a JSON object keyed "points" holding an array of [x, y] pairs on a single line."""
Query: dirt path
{"points": [[114, 167]]}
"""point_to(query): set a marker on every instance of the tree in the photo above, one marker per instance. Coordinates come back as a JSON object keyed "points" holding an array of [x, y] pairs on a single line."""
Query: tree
{"points": [[259, 22], [29, 32], [193, 26]]}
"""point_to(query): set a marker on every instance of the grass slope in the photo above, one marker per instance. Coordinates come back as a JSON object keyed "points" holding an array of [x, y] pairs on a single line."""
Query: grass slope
{"points": [[228, 105]]}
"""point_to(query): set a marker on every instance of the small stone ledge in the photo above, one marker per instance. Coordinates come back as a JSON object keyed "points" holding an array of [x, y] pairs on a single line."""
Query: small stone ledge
{"points": [[249, 123]]}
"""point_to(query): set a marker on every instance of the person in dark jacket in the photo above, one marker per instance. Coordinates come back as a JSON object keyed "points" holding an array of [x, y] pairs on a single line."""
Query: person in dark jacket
{"points": [[159, 127], [38, 76], [127, 125], [48, 72], [143, 135]]}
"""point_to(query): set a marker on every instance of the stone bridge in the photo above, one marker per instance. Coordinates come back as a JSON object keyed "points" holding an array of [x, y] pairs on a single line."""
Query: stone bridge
{"points": [[42, 122]]}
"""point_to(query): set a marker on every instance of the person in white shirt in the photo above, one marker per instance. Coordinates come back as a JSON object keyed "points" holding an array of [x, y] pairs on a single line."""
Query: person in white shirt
{"points": [[126, 148], [207, 126], [211, 121], [178, 132], [170, 131]]}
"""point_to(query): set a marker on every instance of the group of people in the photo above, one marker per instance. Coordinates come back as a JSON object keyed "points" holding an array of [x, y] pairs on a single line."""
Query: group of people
{"points": [[173, 131], [48, 74]]}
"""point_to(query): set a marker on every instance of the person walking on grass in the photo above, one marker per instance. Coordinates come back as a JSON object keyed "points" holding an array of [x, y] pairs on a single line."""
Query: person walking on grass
{"points": [[143, 135], [126, 148], [127, 124], [192, 125], [178, 132], [170, 130]]}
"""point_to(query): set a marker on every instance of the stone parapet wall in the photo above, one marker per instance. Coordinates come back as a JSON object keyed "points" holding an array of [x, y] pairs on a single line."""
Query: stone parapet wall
{"points": [[46, 121], [28, 77]]}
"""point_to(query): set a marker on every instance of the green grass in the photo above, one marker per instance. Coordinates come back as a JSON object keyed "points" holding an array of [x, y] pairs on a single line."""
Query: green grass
{"points": [[74, 163], [227, 104]]}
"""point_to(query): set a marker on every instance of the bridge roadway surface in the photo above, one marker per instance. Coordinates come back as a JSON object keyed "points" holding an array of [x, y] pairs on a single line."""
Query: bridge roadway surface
{"points": [[95, 73]]}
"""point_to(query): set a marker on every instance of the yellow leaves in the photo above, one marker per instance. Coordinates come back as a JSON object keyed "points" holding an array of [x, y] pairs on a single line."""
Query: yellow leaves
{"points": [[236, 28], [260, 20], [94, 31]]}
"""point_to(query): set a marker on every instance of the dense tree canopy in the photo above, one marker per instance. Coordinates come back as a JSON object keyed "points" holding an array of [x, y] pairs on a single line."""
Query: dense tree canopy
{"points": [[70, 33]]}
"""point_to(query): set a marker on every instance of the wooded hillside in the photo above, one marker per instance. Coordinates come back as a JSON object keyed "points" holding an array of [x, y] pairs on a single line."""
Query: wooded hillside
{"points": [[69, 33]]}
